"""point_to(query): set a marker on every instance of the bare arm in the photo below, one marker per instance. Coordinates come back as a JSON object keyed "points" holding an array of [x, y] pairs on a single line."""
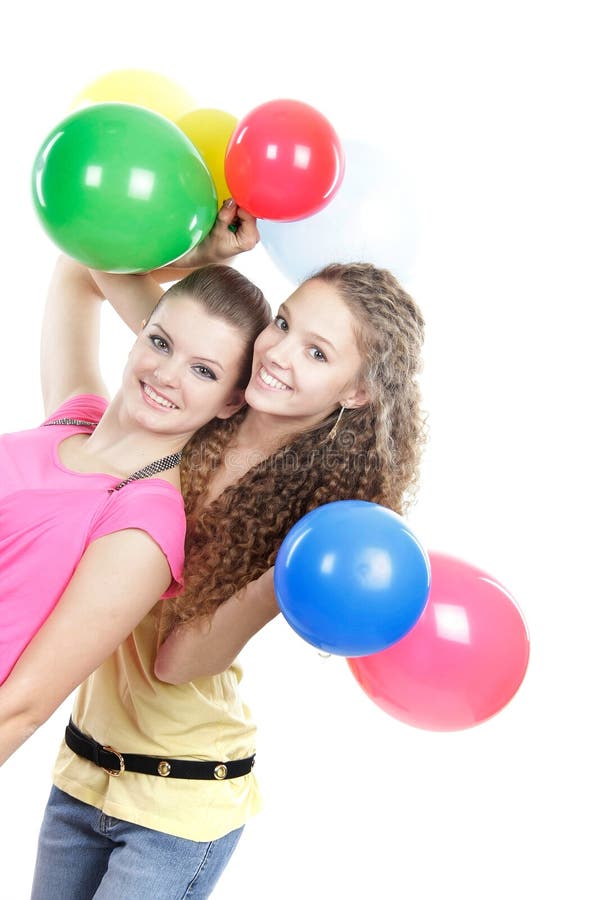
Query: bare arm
{"points": [[119, 579], [69, 361], [132, 296], [207, 647], [135, 296]]}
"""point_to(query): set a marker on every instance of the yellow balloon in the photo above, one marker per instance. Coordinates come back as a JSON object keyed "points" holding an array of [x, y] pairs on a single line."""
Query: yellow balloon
{"points": [[142, 88], [209, 131]]}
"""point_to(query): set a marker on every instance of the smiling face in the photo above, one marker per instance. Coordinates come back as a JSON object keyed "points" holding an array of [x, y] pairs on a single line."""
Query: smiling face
{"points": [[183, 369], [306, 362]]}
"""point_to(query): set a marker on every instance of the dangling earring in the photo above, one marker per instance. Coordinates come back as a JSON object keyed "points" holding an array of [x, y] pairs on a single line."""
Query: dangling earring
{"points": [[333, 431]]}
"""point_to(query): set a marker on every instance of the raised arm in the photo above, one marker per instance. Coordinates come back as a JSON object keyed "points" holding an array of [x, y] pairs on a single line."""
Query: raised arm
{"points": [[70, 336], [207, 647], [135, 296], [119, 579]]}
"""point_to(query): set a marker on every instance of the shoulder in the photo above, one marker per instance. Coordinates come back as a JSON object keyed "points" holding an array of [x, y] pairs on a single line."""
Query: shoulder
{"points": [[153, 506], [152, 501], [88, 407]]}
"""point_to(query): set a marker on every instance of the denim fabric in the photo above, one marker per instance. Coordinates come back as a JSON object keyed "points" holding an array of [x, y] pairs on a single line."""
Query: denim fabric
{"points": [[84, 854]]}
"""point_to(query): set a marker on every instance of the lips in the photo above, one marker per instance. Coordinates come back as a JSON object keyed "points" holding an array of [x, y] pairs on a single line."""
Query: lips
{"points": [[269, 380], [156, 397]]}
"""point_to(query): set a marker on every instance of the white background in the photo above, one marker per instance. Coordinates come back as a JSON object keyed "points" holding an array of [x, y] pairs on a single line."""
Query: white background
{"points": [[497, 106]]}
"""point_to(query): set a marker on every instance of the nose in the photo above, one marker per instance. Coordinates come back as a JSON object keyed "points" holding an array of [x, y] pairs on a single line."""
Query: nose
{"points": [[279, 355], [167, 373]]}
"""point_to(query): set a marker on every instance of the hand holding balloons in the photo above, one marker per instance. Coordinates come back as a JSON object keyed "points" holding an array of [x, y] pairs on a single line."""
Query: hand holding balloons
{"points": [[351, 578], [223, 240]]}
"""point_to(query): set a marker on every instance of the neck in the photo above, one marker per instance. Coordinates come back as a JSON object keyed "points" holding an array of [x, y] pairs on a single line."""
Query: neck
{"points": [[127, 446], [265, 434]]}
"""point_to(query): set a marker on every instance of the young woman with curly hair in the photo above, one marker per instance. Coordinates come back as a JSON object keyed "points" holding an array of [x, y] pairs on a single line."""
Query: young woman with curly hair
{"points": [[333, 413]]}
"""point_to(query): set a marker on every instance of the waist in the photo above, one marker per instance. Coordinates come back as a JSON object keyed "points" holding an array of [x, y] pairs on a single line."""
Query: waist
{"points": [[115, 763]]}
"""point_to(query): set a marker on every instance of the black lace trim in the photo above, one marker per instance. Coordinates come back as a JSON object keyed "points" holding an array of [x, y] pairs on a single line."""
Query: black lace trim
{"points": [[153, 468]]}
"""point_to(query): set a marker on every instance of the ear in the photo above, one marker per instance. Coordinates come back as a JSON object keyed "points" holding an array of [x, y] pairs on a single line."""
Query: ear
{"points": [[236, 400], [358, 397]]}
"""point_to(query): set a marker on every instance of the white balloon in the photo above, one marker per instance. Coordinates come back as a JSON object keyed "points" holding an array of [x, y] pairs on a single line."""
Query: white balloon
{"points": [[372, 218]]}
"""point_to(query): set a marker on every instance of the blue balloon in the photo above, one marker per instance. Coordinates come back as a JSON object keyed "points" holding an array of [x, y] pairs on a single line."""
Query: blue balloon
{"points": [[372, 218], [351, 578]]}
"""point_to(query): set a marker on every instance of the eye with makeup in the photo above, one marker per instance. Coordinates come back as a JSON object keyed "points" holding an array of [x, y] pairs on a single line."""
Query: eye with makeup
{"points": [[204, 372], [317, 354], [158, 342], [162, 345], [314, 352]]}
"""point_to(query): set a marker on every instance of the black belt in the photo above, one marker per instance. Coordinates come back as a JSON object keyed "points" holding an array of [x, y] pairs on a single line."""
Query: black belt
{"points": [[107, 758]]}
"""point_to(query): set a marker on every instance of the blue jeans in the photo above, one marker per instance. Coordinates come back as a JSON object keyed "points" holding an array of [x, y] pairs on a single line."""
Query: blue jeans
{"points": [[83, 854]]}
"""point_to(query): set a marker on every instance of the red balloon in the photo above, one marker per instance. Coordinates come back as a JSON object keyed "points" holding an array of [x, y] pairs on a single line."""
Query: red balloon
{"points": [[284, 161], [463, 660]]}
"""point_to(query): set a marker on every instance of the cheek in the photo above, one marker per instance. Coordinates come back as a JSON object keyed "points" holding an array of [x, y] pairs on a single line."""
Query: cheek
{"points": [[323, 383], [138, 350], [265, 341], [132, 359], [137, 363]]}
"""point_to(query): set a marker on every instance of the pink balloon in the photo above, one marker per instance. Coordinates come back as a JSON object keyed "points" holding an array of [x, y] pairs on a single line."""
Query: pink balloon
{"points": [[461, 663]]}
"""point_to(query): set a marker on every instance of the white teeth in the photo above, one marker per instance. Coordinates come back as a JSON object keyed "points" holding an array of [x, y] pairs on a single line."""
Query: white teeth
{"points": [[157, 398], [272, 382]]}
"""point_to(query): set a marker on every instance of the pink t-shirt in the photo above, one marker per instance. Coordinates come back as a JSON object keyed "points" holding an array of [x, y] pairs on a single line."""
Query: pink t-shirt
{"points": [[50, 514]]}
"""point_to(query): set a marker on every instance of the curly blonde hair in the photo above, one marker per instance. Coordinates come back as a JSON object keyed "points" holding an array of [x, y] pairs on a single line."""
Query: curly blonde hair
{"points": [[374, 454]]}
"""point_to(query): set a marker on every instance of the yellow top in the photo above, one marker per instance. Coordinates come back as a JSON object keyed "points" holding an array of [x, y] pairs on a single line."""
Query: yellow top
{"points": [[123, 705]]}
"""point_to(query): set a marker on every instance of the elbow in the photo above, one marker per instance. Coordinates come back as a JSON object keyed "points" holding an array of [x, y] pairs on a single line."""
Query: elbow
{"points": [[166, 673], [171, 673], [25, 704], [28, 724], [170, 670], [28, 715], [188, 654], [15, 729]]}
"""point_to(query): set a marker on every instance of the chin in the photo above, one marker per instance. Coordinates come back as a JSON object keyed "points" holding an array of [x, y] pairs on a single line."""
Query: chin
{"points": [[261, 403]]}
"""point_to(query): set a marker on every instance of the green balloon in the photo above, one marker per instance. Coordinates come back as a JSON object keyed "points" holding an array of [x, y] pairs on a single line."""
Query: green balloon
{"points": [[122, 189]]}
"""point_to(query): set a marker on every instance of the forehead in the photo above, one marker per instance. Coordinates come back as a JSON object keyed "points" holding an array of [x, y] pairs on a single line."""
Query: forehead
{"points": [[317, 306]]}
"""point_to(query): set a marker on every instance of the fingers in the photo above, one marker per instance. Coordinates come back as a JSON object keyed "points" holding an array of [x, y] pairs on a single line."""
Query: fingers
{"points": [[247, 233], [228, 212], [236, 229]]}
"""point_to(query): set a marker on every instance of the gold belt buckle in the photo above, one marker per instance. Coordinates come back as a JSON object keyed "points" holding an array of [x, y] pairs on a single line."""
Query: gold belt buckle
{"points": [[121, 769]]}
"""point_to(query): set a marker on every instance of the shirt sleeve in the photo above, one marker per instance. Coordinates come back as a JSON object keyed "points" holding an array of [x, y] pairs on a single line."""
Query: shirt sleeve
{"points": [[89, 407], [153, 506]]}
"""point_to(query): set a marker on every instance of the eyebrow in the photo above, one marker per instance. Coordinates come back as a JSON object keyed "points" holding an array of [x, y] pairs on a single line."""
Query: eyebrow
{"points": [[203, 359], [311, 334]]}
